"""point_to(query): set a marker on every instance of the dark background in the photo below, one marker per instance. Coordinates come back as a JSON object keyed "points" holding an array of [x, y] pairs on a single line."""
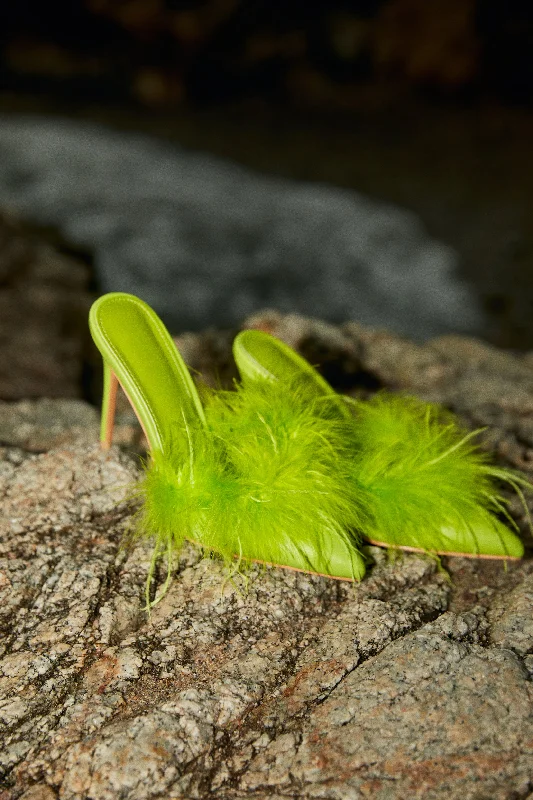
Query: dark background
{"points": [[344, 54], [423, 103]]}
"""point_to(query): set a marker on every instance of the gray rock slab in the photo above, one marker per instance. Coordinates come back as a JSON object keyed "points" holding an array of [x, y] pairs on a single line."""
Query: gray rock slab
{"points": [[40, 425], [417, 683], [433, 715], [207, 242], [290, 686]]}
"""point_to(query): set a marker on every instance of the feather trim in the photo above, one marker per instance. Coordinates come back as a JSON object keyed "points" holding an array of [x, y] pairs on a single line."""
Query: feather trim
{"points": [[423, 482], [267, 481]]}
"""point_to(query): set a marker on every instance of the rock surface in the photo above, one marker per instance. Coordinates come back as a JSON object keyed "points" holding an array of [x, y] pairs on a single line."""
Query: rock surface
{"points": [[292, 686]]}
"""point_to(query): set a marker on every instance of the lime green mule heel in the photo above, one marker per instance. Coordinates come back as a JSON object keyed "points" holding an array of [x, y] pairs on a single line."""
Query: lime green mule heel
{"points": [[261, 356], [417, 479], [139, 353], [248, 474]]}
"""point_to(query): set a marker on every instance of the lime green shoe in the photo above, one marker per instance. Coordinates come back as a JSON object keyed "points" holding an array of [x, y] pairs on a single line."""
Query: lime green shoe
{"points": [[139, 353], [417, 480], [251, 475], [261, 356]]}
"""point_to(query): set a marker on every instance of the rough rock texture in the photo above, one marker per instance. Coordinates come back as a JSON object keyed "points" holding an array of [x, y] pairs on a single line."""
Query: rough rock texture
{"points": [[44, 302], [292, 686]]}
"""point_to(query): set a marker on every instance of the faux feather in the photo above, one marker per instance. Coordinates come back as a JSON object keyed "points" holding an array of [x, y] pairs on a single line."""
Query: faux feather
{"points": [[419, 480], [266, 481], [285, 471], [422, 482]]}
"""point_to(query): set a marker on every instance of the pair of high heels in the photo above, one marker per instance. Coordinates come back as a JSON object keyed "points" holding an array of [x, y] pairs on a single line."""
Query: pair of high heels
{"points": [[284, 470]]}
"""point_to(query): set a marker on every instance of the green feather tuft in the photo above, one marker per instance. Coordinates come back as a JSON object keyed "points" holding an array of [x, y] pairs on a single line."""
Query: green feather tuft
{"points": [[266, 481], [422, 482], [279, 475], [419, 480]]}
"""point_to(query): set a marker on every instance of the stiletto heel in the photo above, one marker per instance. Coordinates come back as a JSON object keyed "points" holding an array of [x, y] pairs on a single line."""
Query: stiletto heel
{"points": [[253, 474], [419, 482]]}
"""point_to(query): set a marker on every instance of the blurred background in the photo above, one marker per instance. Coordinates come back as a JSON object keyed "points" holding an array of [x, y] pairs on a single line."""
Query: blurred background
{"points": [[364, 160]]}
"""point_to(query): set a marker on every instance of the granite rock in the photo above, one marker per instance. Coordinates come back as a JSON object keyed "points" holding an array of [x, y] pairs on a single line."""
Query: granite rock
{"points": [[284, 686]]}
